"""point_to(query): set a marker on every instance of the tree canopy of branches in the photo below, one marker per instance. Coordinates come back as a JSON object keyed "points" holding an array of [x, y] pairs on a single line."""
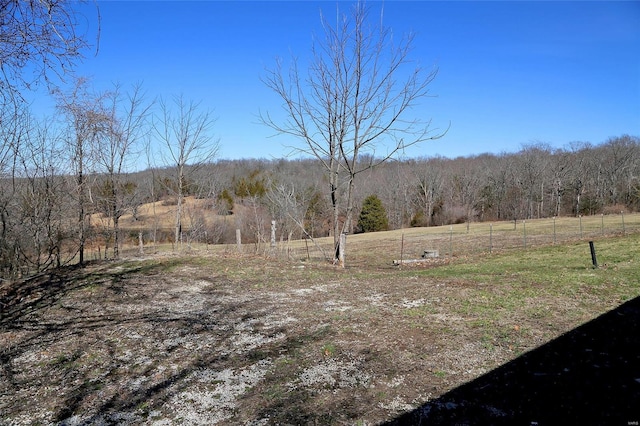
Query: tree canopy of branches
{"points": [[39, 40], [355, 99], [185, 133]]}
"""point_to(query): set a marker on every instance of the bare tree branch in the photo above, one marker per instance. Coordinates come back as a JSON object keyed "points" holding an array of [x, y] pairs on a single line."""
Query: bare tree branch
{"points": [[39, 40]]}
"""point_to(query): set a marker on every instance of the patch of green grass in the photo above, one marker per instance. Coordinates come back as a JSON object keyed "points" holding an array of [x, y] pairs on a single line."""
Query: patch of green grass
{"points": [[440, 374], [329, 350], [274, 392], [552, 270], [67, 361], [552, 284], [420, 311]]}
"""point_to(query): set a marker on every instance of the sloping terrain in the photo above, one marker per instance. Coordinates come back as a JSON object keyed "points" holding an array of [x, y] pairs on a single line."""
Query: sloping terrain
{"points": [[222, 339]]}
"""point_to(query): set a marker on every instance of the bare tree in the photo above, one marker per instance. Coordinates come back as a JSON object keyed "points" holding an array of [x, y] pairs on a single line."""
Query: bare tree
{"points": [[12, 135], [127, 114], [352, 101], [185, 132], [87, 122], [32, 225], [38, 40], [533, 162], [41, 227], [618, 160], [429, 177], [291, 207]]}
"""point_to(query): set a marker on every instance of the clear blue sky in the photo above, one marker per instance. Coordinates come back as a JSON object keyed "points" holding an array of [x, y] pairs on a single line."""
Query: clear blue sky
{"points": [[510, 73]]}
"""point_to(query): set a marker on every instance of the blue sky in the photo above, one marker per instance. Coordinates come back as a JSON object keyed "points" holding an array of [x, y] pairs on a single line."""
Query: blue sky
{"points": [[510, 73]]}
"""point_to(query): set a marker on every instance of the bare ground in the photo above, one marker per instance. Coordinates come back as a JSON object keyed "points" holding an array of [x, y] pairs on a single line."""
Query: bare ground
{"points": [[237, 340]]}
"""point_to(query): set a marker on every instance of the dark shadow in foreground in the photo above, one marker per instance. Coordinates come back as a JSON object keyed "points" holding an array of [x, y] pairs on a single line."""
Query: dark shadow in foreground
{"points": [[588, 376]]}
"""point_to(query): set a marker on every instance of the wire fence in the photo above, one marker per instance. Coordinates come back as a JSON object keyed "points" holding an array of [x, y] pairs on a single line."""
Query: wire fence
{"points": [[449, 243], [432, 245]]}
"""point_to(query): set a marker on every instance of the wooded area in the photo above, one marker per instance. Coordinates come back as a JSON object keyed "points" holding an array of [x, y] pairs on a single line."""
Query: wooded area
{"points": [[42, 198]]}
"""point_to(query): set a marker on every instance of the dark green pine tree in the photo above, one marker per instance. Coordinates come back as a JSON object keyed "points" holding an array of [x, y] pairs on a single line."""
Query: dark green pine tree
{"points": [[373, 216]]}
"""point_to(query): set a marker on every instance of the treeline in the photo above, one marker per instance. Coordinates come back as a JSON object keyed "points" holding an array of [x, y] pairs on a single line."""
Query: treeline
{"points": [[43, 205], [535, 182]]}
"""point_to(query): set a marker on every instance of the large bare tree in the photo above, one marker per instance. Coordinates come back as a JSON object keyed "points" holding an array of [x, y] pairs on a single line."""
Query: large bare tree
{"points": [[127, 115], [185, 132], [355, 98], [87, 122]]}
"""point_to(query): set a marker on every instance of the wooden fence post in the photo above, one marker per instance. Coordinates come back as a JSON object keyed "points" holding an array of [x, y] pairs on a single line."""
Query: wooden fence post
{"points": [[273, 233], [490, 237]]}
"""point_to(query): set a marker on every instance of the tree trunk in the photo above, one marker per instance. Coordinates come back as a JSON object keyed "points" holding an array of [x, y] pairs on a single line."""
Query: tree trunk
{"points": [[116, 239], [178, 229], [116, 220], [81, 230]]}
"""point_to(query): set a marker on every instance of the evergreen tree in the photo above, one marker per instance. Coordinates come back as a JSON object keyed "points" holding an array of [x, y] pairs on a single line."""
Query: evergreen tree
{"points": [[373, 216]]}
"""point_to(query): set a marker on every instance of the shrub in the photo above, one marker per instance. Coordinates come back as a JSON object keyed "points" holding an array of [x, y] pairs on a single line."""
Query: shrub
{"points": [[373, 216]]}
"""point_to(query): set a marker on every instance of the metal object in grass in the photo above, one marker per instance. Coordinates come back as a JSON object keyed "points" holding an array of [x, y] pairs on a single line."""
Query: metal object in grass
{"points": [[593, 254], [430, 254]]}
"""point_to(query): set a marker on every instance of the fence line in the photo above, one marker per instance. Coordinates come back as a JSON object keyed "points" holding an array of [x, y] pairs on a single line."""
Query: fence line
{"points": [[456, 241], [489, 238], [445, 243]]}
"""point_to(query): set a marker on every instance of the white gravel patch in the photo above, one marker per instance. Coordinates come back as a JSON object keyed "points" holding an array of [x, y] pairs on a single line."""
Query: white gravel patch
{"points": [[376, 299], [274, 321], [413, 303], [332, 305], [244, 341], [333, 373], [213, 395], [396, 381], [396, 405]]}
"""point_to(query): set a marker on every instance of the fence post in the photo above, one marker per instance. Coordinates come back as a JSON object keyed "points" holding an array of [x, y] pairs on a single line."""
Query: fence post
{"points": [[622, 215], [490, 237], [273, 233], [580, 217], [524, 233], [602, 224], [554, 230], [450, 243], [402, 250], [238, 241], [593, 254]]}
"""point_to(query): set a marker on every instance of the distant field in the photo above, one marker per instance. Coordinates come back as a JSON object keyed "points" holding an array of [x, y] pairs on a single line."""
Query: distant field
{"points": [[455, 242], [210, 336], [380, 249], [162, 214]]}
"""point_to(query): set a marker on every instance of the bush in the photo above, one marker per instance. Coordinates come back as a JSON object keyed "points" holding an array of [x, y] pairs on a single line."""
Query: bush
{"points": [[419, 219], [373, 216]]}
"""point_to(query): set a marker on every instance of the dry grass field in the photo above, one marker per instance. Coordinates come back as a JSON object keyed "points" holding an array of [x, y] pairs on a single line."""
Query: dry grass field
{"points": [[517, 335]]}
